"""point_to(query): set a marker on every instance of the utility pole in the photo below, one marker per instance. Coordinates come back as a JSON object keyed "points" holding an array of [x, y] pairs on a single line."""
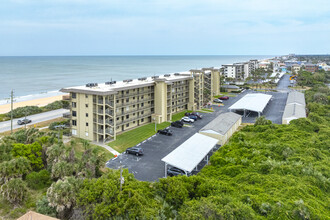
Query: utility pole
{"points": [[121, 177], [11, 110]]}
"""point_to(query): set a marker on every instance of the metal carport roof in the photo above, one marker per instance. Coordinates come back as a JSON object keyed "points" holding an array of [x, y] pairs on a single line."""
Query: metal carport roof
{"points": [[190, 153], [253, 102]]}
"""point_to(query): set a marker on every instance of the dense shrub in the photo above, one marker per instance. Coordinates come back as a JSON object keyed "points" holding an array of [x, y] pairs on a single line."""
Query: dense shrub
{"points": [[25, 111], [44, 208], [38, 180], [57, 105], [56, 123]]}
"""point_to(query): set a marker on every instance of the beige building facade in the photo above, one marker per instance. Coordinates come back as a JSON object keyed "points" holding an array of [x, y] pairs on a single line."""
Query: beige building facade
{"points": [[99, 112]]}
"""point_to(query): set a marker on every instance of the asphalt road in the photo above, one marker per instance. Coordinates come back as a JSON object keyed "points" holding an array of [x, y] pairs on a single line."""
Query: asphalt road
{"points": [[149, 167], [37, 118]]}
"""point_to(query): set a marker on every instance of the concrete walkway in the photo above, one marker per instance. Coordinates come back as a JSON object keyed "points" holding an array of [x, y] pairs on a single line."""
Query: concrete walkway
{"points": [[113, 151]]}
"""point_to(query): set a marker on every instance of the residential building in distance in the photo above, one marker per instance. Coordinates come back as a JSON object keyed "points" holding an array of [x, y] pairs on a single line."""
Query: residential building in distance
{"points": [[311, 67], [99, 112], [295, 68]]}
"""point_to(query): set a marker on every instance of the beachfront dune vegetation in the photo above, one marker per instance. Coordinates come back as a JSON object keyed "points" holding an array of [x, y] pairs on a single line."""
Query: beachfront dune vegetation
{"points": [[31, 110], [265, 171]]}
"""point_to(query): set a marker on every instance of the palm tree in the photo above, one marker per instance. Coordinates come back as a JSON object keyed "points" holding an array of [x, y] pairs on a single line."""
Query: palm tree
{"points": [[14, 190]]}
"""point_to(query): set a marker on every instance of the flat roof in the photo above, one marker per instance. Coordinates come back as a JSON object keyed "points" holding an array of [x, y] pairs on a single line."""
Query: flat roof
{"points": [[253, 102], [190, 153], [104, 89], [222, 123], [296, 97]]}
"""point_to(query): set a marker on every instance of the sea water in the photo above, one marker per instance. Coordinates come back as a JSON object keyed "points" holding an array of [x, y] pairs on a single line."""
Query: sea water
{"points": [[38, 77]]}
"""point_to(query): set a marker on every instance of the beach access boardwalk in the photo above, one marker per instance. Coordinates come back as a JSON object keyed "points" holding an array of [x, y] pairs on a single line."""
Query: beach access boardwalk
{"points": [[37, 118]]}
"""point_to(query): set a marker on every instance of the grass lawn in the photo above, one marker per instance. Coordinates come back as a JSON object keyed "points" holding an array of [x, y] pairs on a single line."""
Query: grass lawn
{"points": [[225, 94], [137, 135], [207, 110]]}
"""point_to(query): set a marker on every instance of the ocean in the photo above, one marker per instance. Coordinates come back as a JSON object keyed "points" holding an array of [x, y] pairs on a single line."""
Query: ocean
{"points": [[37, 77]]}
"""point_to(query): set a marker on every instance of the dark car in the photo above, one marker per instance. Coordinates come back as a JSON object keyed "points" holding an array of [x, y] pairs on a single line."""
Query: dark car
{"points": [[173, 171], [138, 151], [198, 115], [24, 121], [217, 100], [165, 131], [224, 98], [193, 117], [177, 124]]}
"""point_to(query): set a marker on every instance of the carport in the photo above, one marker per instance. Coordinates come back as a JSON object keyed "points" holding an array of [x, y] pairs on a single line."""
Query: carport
{"points": [[255, 102], [190, 153]]}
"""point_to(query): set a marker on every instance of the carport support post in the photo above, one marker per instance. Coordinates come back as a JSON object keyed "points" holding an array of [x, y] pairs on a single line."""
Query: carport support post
{"points": [[258, 114], [165, 170], [244, 112], [207, 159]]}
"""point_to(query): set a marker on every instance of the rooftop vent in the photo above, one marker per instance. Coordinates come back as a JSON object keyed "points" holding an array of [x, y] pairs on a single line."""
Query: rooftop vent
{"points": [[155, 77], [127, 80], [176, 74], [167, 75], [110, 83], [91, 84], [143, 78]]}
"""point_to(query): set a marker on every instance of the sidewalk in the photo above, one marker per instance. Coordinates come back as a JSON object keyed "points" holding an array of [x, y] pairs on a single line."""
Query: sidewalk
{"points": [[113, 151]]}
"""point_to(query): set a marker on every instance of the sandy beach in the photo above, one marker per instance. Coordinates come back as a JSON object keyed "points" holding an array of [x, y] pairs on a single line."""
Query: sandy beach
{"points": [[34, 102]]}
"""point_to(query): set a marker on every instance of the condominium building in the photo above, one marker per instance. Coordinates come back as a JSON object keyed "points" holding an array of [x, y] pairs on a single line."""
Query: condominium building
{"points": [[240, 71], [311, 68], [99, 112]]}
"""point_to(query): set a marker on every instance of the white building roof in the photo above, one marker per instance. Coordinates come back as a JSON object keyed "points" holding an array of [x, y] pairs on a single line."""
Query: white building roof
{"points": [[253, 102], [294, 111], [190, 153], [105, 89], [221, 124], [296, 97]]}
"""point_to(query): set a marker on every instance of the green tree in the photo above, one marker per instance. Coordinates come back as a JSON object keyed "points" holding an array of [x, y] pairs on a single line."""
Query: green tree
{"points": [[38, 180], [62, 169], [15, 168], [62, 196], [44, 208], [30, 151], [14, 190], [262, 121]]}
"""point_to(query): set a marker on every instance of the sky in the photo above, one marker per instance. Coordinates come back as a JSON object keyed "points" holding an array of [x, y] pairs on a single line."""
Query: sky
{"points": [[164, 27]]}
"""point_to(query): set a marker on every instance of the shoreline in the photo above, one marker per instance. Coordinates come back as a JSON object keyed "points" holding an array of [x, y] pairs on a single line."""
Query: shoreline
{"points": [[40, 102]]}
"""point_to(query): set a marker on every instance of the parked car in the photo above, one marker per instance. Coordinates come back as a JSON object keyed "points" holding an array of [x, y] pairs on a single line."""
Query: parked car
{"points": [[197, 114], [24, 121], [193, 117], [217, 101], [138, 151], [177, 124], [187, 119], [165, 131], [173, 171], [224, 98]]}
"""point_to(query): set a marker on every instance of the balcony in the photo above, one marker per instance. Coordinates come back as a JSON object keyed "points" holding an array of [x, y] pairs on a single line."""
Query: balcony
{"points": [[132, 119]]}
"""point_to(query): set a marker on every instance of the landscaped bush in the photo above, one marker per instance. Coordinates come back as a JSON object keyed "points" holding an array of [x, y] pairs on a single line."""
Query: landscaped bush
{"points": [[57, 105], [56, 123]]}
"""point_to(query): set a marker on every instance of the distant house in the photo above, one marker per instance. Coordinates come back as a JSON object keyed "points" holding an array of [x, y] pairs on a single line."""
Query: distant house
{"points": [[222, 127], [295, 68], [311, 68], [231, 88]]}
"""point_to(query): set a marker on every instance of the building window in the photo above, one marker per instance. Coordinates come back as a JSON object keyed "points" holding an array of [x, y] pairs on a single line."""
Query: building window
{"points": [[133, 98], [142, 104], [133, 114], [86, 96], [127, 116], [141, 96], [127, 125], [86, 114], [118, 119], [117, 101], [86, 105], [86, 124], [74, 122], [142, 120], [74, 104], [74, 132], [142, 112], [73, 95], [74, 113], [127, 92], [133, 122], [127, 100], [133, 106]]}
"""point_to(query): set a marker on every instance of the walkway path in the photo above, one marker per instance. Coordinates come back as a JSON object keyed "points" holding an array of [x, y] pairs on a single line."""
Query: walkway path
{"points": [[113, 151]]}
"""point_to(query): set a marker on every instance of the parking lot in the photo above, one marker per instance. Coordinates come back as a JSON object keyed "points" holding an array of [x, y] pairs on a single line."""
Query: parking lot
{"points": [[149, 167]]}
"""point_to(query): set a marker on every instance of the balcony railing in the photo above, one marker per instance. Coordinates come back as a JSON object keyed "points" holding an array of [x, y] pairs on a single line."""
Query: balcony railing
{"points": [[135, 94], [132, 119]]}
